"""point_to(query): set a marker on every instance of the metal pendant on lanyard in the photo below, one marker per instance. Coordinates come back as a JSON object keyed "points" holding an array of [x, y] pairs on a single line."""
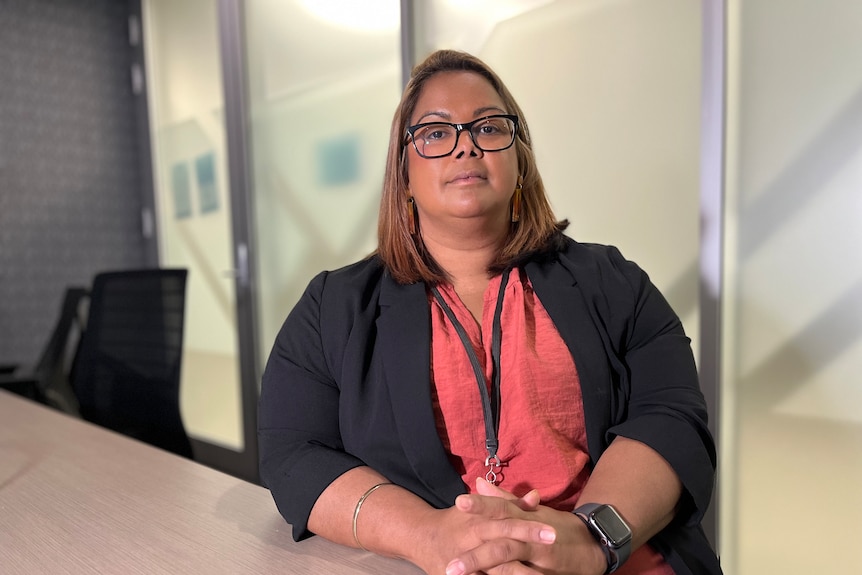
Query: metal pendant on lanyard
{"points": [[490, 401]]}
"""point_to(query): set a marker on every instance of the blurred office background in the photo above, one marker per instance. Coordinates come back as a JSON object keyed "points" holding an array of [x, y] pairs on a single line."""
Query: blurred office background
{"points": [[718, 144]]}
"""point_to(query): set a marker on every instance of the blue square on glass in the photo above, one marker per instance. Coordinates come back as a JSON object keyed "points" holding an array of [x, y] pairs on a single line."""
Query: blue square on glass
{"points": [[205, 170], [181, 188], [338, 160]]}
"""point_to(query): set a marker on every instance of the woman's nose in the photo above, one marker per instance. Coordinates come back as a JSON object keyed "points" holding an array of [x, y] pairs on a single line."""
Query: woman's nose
{"points": [[464, 144]]}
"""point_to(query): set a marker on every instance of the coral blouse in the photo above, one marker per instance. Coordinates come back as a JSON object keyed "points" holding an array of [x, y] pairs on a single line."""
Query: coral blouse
{"points": [[542, 435]]}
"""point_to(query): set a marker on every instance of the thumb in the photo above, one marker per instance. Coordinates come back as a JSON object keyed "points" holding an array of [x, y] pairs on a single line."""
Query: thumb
{"points": [[529, 502], [483, 487]]}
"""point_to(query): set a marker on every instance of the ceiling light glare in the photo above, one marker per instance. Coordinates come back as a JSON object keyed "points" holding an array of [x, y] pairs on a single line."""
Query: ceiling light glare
{"points": [[359, 15]]}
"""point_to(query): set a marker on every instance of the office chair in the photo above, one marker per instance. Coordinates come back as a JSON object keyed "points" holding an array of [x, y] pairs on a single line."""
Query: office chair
{"points": [[126, 373], [48, 381]]}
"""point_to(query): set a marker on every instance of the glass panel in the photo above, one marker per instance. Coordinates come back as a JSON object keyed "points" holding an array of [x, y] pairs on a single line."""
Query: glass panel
{"points": [[611, 91], [324, 83], [186, 119], [794, 319]]}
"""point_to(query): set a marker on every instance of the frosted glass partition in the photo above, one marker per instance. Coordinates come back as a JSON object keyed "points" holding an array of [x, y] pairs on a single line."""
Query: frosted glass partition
{"points": [[611, 91], [194, 215], [793, 389], [323, 88]]}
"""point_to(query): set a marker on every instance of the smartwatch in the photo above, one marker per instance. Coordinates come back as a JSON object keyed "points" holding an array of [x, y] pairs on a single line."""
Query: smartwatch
{"points": [[610, 530]]}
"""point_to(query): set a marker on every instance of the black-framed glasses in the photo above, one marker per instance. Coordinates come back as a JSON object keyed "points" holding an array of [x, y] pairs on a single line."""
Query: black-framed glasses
{"points": [[489, 134]]}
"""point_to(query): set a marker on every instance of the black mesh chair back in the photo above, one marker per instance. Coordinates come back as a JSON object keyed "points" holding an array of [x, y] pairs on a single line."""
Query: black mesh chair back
{"points": [[126, 374]]}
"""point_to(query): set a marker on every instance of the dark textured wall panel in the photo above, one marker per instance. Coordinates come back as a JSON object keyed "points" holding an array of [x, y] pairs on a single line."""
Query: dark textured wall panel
{"points": [[70, 194]]}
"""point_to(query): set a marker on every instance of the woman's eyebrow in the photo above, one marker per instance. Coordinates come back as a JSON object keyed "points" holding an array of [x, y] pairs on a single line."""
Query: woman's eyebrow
{"points": [[480, 111], [446, 116]]}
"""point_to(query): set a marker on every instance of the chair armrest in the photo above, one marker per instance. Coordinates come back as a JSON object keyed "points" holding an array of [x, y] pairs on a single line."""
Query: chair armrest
{"points": [[7, 368]]}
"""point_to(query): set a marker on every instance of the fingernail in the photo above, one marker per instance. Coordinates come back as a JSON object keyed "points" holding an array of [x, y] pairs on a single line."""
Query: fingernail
{"points": [[455, 568], [548, 535]]}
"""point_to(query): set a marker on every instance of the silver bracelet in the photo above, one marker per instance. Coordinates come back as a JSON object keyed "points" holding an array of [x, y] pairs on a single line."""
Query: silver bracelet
{"points": [[359, 506]]}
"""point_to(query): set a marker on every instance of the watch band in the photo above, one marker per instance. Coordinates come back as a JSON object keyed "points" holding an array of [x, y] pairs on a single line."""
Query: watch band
{"points": [[610, 530]]}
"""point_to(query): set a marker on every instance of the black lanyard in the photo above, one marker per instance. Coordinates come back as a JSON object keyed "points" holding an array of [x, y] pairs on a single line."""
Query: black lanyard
{"points": [[490, 401]]}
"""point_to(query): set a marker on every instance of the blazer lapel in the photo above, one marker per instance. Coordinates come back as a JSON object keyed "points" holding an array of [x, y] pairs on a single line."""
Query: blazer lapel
{"points": [[404, 332]]}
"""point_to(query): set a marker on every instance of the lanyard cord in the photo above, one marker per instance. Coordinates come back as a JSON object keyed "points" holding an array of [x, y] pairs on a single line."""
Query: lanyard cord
{"points": [[490, 402]]}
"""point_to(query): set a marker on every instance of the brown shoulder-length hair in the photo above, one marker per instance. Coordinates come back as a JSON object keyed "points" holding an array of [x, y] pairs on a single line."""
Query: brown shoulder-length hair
{"points": [[403, 253]]}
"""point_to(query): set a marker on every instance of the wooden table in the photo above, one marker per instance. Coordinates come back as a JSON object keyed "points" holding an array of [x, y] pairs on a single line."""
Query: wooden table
{"points": [[75, 498]]}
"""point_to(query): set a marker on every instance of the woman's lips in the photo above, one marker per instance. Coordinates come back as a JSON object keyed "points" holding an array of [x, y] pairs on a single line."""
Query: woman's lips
{"points": [[467, 177]]}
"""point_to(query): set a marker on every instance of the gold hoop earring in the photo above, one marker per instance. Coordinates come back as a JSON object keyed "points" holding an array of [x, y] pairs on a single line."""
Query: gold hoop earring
{"points": [[516, 203], [411, 216]]}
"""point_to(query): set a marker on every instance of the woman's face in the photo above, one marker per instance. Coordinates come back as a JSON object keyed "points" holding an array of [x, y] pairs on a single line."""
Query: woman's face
{"points": [[469, 185]]}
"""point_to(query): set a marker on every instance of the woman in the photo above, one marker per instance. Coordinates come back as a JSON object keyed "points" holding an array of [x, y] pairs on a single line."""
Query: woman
{"points": [[453, 398]]}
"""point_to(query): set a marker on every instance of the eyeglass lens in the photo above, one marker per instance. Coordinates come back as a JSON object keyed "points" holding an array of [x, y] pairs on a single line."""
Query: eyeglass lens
{"points": [[489, 134]]}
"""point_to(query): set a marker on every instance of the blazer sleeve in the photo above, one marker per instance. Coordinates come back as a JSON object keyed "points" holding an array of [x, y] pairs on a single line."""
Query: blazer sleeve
{"points": [[301, 450], [663, 403]]}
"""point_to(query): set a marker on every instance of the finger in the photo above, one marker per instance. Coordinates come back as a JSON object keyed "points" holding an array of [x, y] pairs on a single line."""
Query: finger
{"points": [[491, 506], [530, 501], [515, 568], [505, 520], [518, 529], [499, 557]]}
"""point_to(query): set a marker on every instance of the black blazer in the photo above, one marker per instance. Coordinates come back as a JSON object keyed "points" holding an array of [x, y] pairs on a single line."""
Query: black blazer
{"points": [[347, 384]]}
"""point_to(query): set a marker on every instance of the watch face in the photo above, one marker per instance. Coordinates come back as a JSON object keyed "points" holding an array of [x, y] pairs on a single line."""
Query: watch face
{"points": [[613, 526]]}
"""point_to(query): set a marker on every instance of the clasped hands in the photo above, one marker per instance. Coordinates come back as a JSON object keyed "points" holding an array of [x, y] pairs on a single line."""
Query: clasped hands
{"points": [[497, 533]]}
